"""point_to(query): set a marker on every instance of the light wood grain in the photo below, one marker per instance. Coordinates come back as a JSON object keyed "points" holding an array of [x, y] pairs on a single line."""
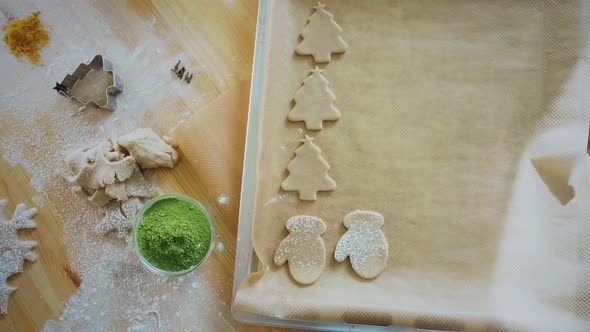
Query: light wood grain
{"points": [[45, 284], [216, 34]]}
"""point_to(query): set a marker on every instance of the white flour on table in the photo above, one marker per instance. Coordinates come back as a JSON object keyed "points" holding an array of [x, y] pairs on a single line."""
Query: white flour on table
{"points": [[116, 292]]}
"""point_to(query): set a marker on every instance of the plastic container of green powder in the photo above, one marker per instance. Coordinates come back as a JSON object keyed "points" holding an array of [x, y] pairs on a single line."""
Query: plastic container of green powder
{"points": [[173, 235]]}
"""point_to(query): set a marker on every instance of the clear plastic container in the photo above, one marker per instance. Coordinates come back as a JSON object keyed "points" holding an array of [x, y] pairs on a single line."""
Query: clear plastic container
{"points": [[138, 220]]}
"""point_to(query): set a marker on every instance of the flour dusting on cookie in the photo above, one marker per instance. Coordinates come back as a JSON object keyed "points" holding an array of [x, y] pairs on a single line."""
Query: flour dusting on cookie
{"points": [[364, 243], [303, 248]]}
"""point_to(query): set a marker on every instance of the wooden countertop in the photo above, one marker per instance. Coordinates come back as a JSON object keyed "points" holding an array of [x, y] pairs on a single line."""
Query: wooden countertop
{"points": [[223, 29]]}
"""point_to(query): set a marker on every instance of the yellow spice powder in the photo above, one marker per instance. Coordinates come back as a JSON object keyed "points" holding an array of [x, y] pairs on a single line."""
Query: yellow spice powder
{"points": [[26, 37]]}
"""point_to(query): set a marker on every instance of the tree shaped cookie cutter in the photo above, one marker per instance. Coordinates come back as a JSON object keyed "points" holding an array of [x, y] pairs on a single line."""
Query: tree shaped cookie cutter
{"points": [[98, 63]]}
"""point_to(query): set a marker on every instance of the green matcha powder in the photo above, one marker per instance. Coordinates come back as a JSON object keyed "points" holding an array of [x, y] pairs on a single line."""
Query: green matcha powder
{"points": [[173, 235]]}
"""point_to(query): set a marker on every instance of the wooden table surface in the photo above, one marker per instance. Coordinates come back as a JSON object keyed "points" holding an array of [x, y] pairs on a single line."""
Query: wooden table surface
{"points": [[215, 30]]}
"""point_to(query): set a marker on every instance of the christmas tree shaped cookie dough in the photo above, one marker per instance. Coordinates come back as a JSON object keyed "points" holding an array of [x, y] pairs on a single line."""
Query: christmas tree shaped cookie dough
{"points": [[308, 172], [13, 251], [321, 36], [364, 243], [314, 102], [303, 248]]}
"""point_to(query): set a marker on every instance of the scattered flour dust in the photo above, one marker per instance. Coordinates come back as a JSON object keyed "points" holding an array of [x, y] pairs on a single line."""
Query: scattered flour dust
{"points": [[276, 199], [223, 199], [220, 246], [39, 201], [116, 293]]}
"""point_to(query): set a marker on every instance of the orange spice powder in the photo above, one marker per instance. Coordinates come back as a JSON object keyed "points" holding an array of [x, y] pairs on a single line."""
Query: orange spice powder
{"points": [[26, 37]]}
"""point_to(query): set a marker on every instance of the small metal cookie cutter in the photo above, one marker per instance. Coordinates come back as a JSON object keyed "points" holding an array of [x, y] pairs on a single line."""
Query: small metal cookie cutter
{"points": [[98, 63]]}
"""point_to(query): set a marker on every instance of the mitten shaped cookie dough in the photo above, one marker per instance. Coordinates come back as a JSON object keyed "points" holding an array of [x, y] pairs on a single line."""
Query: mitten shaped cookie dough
{"points": [[364, 243], [303, 248]]}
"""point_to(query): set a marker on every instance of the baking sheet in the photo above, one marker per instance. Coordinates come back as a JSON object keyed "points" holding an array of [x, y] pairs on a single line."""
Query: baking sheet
{"points": [[457, 98]]}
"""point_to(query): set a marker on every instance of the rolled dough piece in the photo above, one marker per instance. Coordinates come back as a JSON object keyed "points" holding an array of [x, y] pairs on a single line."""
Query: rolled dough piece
{"points": [[148, 149], [99, 198], [364, 243], [314, 102], [303, 248], [138, 186], [321, 36], [116, 191], [308, 172], [103, 172], [80, 161]]}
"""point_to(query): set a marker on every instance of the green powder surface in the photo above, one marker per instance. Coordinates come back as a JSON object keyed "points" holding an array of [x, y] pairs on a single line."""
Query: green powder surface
{"points": [[173, 235]]}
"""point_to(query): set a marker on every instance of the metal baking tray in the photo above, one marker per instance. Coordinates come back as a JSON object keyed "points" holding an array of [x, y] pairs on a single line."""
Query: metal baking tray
{"points": [[246, 260]]}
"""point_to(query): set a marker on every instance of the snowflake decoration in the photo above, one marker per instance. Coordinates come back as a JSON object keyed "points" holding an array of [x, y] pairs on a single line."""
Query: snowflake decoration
{"points": [[13, 251]]}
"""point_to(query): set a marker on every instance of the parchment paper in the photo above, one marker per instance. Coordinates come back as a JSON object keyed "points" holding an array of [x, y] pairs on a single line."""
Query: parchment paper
{"points": [[444, 104]]}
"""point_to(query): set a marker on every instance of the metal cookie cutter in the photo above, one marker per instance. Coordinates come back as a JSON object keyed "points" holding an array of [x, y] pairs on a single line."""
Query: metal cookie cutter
{"points": [[98, 63]]}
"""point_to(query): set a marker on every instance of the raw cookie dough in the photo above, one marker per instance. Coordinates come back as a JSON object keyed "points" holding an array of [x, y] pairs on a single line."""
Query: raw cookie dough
{"points": [[13, 251], [364, 242], [308, 172], [109, 178], [97, 167], [303, 248], [314, 102], [138, 186], [118, 217], [148, 149], [116, 191], [321, 36], [104, 172], [99, 198]]}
